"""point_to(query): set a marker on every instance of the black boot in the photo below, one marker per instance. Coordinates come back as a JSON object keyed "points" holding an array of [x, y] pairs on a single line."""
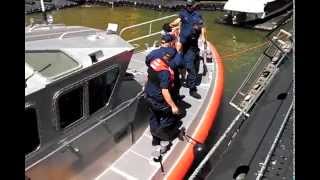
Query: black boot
{"points": [[194, 94], [182, 133], [180, 97], [155, 141]]}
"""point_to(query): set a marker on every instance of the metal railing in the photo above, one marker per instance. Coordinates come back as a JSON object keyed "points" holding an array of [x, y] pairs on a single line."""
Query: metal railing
{"points": [[149, 34], [74, 32], [38, 26], [275, 142]]}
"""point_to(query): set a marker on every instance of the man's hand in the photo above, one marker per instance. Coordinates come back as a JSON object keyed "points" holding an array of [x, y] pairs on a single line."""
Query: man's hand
{"points": [[205, 44], [175, 109], [168, 99], [175, 22], [204, 34]]}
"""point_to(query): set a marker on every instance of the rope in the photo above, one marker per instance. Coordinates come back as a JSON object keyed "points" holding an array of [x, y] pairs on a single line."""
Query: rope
{"points": [[247, 49], [244, 50]]}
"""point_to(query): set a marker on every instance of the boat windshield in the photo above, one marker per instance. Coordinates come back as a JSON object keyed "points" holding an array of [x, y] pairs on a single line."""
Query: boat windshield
{"points": [[56, 62]]}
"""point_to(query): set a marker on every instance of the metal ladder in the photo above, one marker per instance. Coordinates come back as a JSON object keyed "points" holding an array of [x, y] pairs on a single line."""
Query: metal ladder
{"points": [[262, 73]]}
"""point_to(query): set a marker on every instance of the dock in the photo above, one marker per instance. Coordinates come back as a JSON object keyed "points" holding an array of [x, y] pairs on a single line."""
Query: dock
{"points": [[33, 6]]}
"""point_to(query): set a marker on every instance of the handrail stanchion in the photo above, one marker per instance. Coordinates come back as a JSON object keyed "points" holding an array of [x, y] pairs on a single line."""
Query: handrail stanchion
{"points": [[150, 28]]}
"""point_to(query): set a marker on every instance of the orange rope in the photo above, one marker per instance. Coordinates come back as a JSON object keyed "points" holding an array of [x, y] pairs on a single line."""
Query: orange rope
{"points": [[248, 49], [243, 51]]}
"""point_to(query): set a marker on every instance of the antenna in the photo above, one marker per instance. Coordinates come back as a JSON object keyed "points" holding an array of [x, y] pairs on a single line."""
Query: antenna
{"points": [[43, 9]]}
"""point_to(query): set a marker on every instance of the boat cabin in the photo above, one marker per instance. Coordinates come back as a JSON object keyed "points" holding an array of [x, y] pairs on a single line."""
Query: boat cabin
{"points": [[72, 85]]}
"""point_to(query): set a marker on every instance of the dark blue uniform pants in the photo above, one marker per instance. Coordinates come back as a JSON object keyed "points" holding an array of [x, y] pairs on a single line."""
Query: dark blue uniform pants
{"points": [[192, 62], [177, 85], [164, 125]]}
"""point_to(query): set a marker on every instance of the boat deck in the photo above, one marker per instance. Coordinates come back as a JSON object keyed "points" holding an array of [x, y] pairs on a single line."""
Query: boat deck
{"points": [[137, 162]]}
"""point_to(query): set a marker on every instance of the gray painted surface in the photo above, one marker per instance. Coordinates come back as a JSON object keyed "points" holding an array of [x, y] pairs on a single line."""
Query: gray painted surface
{"points": [[136, 166], [252, 142], [113, 175]]}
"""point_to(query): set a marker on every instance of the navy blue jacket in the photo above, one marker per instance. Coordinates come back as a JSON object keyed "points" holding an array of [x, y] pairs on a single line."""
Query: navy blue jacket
{"points": [[188, 22]]}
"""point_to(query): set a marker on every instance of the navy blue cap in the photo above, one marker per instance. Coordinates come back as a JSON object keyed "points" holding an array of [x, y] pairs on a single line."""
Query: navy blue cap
{"points": [[167, 38], [190, 2]]}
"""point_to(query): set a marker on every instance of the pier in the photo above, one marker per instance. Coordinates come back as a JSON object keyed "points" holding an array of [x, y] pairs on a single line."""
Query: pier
{"points": [[33, 6]]}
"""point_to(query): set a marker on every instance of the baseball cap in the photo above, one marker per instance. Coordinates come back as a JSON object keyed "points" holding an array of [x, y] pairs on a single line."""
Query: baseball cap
{"points": [[167, 38], [190, 2]]}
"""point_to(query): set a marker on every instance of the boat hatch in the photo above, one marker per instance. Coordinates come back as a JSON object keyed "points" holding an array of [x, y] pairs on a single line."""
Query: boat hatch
{"points": [[51, 63]]}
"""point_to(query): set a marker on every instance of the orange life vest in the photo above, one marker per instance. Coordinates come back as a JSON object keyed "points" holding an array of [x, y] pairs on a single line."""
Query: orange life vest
{"points": [[159, 65]]}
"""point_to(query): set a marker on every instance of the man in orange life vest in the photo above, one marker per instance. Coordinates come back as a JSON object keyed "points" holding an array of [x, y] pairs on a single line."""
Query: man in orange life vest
{"points": [[176, 63], [164, 125]]}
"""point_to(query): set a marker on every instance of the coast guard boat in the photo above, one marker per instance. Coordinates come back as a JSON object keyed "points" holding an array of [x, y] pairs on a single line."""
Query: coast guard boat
{"points": [[84, 108]]}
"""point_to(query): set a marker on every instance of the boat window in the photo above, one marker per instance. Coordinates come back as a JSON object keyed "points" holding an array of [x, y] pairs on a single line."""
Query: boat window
{"points": [[50, 63], [100, 89], [32, 137], [70, 106]]}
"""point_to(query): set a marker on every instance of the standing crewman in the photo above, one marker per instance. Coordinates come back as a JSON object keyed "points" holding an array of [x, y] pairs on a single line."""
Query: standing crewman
{"points": [[190, 30], [164, 125]]}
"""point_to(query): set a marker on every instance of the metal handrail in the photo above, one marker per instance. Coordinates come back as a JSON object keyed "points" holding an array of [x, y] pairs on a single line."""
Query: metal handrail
{"points": [[142, 37], [276, 140], [72, 32], [150, 27], [36, 26]]}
